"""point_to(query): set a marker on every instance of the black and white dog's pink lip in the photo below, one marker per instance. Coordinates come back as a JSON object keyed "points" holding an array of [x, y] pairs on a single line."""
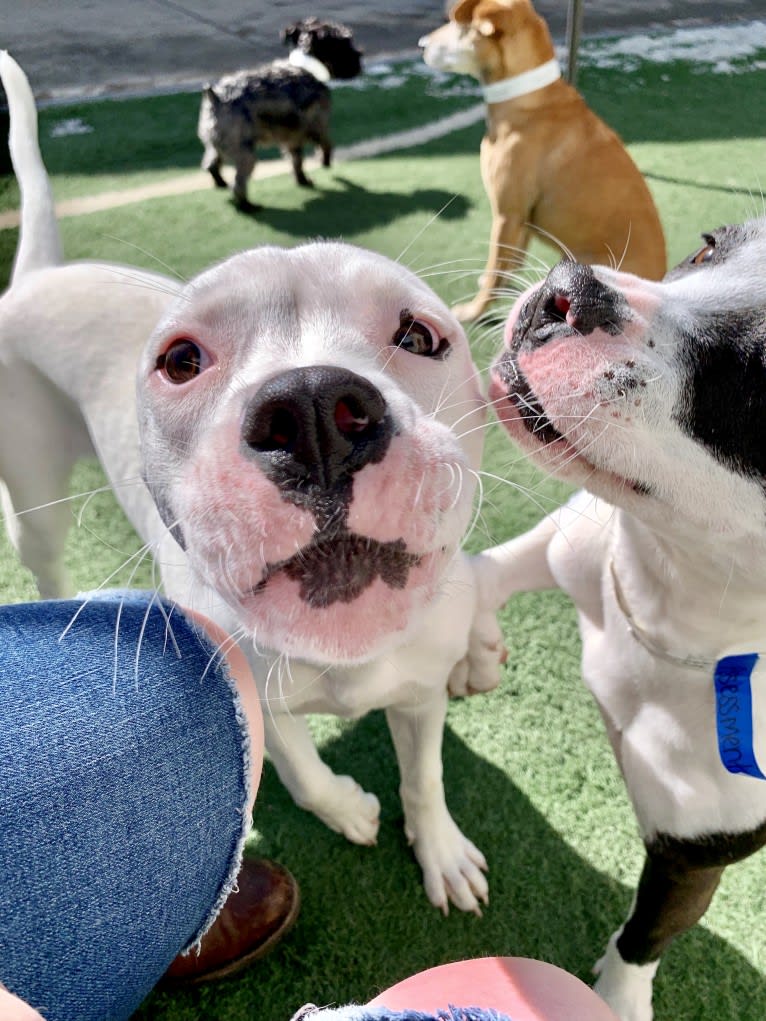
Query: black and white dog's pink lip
{"points": [[509, 382], [521, 411], [534, 310], [515, 403]]}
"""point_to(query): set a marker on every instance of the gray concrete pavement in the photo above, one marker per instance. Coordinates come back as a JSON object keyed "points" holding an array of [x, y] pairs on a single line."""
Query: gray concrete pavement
{"points": [[74, 47]]}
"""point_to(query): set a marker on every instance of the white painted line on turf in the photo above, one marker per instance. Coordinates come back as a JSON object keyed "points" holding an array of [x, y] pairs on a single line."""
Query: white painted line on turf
{"points": [[198, 181]]}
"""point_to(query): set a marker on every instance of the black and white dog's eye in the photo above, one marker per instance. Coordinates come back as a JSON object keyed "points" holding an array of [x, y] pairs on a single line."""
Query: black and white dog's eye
{"points": [[704, 254], [183, 360], [419, 338]]}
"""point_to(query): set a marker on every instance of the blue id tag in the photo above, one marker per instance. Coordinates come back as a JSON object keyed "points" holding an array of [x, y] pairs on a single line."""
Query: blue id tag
{"points": [[734, 713]]}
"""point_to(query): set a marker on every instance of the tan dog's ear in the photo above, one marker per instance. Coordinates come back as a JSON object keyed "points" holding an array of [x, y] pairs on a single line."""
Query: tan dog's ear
{"points": [[463, 10], [510, 18], [495, 19], [487, 27]]}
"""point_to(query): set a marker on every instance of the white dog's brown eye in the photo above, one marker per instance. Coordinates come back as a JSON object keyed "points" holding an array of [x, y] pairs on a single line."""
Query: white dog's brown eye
{"points": [[419, 338], [704, 254], [182, 361]]}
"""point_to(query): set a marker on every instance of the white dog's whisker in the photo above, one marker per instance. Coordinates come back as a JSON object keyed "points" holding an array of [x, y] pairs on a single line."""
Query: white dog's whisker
{"points": [[88, 495], [555, 241], [458, 494], [141, 633], [139, 555], [452, 469], [169, 633], [222, 649], [424, 228], [418, 492], [151, 255]]}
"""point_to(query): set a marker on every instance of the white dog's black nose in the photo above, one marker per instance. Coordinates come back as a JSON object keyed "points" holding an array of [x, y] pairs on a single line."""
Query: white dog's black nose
{"points": [[316, 425], [571, 300]]}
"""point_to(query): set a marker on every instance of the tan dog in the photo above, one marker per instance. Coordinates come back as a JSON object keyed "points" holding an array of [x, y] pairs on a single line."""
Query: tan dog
{"points": [[548, 163]]}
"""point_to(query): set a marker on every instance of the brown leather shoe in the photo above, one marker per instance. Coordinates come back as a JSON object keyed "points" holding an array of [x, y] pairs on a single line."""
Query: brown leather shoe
{"points": [[251, 921]]}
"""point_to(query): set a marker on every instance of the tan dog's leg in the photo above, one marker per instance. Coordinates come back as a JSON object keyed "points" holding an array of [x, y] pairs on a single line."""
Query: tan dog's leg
{"points": [[507, 247]]}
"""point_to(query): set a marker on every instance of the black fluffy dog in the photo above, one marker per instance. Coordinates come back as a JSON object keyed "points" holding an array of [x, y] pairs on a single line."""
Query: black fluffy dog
{"points": [[285, 103]]}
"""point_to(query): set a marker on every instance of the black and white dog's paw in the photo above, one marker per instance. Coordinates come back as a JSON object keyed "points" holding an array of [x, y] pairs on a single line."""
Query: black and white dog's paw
{"points": [[626, 988], [479, 670]]}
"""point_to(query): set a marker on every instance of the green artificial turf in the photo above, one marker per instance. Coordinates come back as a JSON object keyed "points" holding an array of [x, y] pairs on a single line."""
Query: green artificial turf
{"points": [[528, 772]]}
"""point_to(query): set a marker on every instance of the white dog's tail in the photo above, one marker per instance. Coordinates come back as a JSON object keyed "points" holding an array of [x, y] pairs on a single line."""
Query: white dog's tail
{"points": [[39, 241]]}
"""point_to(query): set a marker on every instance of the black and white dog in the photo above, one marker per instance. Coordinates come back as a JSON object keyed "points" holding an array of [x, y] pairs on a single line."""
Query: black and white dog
{"points": [[285, 103], [652, 396]]}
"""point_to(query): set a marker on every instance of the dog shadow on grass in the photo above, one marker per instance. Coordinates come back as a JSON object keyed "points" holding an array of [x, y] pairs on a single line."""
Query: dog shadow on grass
{"points": [[366, 923], [353, 209]]}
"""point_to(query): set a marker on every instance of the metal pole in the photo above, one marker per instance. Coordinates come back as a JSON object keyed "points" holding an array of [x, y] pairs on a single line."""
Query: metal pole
{"points": [[574, 27]]}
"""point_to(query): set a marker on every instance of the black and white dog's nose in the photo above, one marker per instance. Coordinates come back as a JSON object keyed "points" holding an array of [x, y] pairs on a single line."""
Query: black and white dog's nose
{"points": [[571, 300], [316, 425]]}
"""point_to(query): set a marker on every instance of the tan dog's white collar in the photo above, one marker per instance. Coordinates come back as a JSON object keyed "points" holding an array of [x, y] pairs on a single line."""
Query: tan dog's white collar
{"points": [[308, 63], [522, 84]]}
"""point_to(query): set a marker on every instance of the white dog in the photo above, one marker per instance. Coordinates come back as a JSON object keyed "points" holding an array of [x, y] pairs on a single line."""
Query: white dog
{"points": [[653, 397], [311, 423]]}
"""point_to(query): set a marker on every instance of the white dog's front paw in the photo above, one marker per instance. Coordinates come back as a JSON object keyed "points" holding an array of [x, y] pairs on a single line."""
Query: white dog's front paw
{"points": [[453, 867], [350, 810], [479, 670], [627, 988]]}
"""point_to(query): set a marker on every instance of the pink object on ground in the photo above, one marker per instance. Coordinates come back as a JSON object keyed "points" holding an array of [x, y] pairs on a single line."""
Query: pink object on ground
{"points": [[523, 989]]}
